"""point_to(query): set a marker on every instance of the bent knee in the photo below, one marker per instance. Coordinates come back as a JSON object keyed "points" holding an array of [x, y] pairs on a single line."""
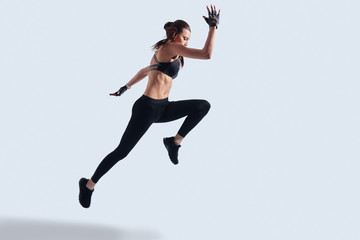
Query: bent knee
{"points": [[204, 106]]}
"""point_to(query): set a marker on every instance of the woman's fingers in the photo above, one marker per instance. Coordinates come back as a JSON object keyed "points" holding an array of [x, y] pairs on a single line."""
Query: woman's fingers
{"points": [[213, 9], [114, 94]]}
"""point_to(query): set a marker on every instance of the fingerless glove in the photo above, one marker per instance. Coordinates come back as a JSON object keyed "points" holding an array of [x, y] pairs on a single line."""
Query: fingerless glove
{"points": [[121, 91], [213, 16]]}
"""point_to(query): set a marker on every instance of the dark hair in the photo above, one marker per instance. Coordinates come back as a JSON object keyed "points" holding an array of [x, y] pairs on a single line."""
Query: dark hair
{"points": [[172, 30]]}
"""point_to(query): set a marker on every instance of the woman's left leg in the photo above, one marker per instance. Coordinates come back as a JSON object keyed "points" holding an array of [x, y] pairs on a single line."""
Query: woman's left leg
{"points": [[194, 110]]}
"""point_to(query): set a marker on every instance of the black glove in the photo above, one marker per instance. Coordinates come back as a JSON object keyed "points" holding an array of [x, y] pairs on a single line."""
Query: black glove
{"points": [[214, 18], [119, 92]]}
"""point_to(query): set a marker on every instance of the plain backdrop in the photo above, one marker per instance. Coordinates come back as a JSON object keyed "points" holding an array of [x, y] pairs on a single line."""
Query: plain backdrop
{"points": [[276, 158]]}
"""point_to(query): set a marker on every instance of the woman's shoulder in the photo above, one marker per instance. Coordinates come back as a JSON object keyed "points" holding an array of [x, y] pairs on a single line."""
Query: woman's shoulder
{"points": [[169, 48], [165, 53]]}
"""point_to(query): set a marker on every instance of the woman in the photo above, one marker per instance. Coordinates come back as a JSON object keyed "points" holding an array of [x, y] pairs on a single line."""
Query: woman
{"points": [[153, 106]]}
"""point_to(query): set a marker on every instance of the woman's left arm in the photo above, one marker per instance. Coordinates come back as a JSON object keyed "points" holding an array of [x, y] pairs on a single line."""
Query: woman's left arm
{"points": [[137, 78]]}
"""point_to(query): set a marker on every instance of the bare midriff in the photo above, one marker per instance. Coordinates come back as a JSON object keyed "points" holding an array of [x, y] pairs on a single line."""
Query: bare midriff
{"points": [[158, 86]]}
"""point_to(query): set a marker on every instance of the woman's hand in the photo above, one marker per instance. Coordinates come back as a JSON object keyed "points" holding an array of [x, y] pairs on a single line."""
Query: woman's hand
{"points": [[119, 92], [214, 18]]}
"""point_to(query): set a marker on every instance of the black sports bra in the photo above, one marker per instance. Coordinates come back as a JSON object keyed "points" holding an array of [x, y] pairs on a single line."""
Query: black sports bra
{"points": [[169, 68]]}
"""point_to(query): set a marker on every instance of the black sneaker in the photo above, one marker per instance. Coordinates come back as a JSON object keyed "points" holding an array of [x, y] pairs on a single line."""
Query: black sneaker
{"points": [[172, 149], [85, 193]]}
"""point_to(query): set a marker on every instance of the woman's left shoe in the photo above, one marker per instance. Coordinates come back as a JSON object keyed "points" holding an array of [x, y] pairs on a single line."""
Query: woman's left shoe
{"points": [[172, 149]]}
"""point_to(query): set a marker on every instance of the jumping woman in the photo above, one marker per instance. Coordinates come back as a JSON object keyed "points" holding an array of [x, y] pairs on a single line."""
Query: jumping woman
{"points": [[153, 106]]}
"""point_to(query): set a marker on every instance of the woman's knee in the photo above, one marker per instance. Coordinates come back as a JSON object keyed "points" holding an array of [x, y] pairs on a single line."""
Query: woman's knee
{"points": [[204, 106], [118, 154]]}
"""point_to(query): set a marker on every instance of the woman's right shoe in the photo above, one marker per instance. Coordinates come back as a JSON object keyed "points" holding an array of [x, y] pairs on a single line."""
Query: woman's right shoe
{"points": [[85, 193], [172, 149]]}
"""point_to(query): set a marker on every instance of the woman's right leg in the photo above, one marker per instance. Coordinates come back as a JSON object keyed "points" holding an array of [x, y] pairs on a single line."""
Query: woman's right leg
{"points": [[142, 118], [144, 113]]}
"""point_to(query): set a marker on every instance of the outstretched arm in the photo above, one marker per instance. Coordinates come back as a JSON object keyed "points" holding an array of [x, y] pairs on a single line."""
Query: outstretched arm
{"points": [[137, 78]]}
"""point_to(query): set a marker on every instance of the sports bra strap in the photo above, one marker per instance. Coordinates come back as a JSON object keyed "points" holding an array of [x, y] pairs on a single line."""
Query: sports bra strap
{"points": [[169, 68], [156, 60]]}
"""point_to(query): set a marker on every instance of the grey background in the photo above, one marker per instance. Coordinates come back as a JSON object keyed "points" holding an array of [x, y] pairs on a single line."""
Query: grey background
{"points": [[277, 156]]}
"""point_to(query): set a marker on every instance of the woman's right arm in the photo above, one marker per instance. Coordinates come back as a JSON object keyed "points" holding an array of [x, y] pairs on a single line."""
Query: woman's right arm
{"points": [[137, 78]]}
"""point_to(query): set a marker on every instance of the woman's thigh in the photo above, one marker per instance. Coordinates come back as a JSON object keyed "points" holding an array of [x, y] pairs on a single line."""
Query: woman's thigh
{"points": [[179, 109]]}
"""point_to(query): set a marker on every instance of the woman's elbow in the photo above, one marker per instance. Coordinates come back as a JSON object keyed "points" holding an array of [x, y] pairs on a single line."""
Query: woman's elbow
{"points": [[145, 71], [205, 54]]}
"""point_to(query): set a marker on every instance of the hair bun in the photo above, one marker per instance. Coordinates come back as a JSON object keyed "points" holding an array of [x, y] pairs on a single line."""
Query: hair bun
{"points": [[168, 24]]}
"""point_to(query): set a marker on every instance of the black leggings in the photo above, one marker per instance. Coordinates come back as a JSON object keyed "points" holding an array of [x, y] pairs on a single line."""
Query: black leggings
{"points": [[145, 112]]}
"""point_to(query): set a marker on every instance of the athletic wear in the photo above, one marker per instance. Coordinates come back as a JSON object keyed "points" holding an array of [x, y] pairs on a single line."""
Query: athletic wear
{"points": [[172, 149], [147, 111], [169, 68], [85, 193], [121, 91], [213, 16]]}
